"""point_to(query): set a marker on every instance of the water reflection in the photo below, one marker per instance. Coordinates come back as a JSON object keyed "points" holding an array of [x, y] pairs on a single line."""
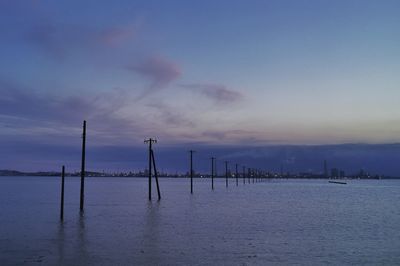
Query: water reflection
{"points": [[60, 242], [151, 234], [81, 247]]}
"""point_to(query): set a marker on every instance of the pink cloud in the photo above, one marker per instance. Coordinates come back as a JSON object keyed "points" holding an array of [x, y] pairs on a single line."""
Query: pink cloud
{"points": [[115, 36]]}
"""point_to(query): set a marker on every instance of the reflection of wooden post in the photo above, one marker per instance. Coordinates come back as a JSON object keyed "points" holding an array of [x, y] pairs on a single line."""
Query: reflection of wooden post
{"points": [[156, 174], [226, 173], [212, 173], [62, 193], [83, 166]]}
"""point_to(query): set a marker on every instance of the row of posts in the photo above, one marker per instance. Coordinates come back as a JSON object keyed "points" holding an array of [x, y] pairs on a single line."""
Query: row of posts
{"points": [[256, 175], [82, 190]]}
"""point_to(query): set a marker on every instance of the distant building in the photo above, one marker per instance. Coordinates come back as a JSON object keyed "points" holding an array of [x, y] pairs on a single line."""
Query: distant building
{"points": [[325, 169], [342, 174], [334, 173]]}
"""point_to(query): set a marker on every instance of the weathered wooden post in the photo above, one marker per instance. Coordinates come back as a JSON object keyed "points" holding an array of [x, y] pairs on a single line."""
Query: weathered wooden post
{"points": [[212, 173], [83, 166], [156, 174], [226, 173], [150, 141], [62, 193], [191, 171]]}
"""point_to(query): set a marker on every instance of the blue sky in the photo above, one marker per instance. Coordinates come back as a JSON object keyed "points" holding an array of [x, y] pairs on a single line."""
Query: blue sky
{"points": [[229, 73]]}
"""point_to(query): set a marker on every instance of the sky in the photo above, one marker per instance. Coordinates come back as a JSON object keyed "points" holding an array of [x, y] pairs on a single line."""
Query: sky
{"points": [[226, 77]]}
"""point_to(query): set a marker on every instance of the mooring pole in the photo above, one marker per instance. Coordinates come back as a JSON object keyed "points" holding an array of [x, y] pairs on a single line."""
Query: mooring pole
{"points": [[253, 175], [62, 193], [226, 173], [156, 174], [150, 141], [248, 175], [83, 166], [191, 171], [212, 173], [237, 175]]}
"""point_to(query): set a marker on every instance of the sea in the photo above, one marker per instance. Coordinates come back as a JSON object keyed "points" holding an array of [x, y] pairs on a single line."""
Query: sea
{"points": [[274, 222]]}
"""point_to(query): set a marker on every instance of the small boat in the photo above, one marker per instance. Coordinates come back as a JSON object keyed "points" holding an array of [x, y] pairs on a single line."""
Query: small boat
{"points": [[338, 182]]}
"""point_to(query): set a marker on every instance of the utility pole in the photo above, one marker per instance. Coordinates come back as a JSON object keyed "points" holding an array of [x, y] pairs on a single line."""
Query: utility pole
{"points": [[226, 173], [152, 163], [62, 193], [83, 167], [155, 174], [191, 171], [212, 172]]}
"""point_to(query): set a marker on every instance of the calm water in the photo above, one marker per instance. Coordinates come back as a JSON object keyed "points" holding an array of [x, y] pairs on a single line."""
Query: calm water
{"points": [[279, 222]]}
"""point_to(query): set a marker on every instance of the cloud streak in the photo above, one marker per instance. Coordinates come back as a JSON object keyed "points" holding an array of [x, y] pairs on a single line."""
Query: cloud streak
{"points": [[39, 113], [216, 92], [170, 116], [158, 70], [59, 40]]}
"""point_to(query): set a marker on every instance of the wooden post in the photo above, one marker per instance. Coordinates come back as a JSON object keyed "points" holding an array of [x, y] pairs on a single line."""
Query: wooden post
{"points": [[83, 166], [191, 171], [212, 173], [62, 193], [226, 173], [151, 141], [156, 175], [150, 149]]}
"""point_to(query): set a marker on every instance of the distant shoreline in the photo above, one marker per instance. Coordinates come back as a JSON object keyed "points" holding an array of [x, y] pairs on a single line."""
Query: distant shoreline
{"points": [[14, 173]]}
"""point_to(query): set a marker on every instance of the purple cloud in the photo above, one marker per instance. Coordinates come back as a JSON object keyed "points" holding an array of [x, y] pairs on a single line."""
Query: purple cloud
{"points": [[170, 116], [34, 114], [159, 70], [115, 36], [59, 39], [217, 92]]}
